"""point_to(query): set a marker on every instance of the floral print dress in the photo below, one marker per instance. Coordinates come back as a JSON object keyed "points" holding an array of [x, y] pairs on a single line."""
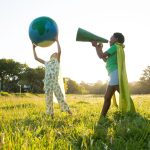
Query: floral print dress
{"points": [[51, 86]]}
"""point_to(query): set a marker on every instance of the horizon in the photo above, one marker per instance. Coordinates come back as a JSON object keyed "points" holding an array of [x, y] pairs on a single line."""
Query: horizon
{"points": [[78, 81]]}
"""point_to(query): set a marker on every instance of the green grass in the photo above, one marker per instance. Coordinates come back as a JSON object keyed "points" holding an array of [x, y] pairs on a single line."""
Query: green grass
{"points": [[25, 126]]}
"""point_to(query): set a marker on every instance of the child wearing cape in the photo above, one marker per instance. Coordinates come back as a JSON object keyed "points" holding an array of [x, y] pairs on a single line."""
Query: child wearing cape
{"points": [[115, 65]]}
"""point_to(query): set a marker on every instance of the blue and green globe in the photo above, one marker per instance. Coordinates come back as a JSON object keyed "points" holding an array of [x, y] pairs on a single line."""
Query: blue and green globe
{"points": [[43, 31]]}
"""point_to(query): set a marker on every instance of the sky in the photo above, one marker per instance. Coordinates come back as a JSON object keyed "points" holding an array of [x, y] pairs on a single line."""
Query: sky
{"points": [[79, 59]]}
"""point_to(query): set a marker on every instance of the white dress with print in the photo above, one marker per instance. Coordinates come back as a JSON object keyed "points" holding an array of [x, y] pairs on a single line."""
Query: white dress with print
{"points": [[51, 86]]}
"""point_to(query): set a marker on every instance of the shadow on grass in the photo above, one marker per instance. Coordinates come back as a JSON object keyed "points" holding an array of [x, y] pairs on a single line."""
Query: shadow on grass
{"points": [[131, 131], [20, 94], [82, 102], [18, 106], [123, 131]]}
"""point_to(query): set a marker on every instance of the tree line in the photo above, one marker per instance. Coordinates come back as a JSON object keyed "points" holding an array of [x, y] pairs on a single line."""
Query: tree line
{"points": [[16, 77]]}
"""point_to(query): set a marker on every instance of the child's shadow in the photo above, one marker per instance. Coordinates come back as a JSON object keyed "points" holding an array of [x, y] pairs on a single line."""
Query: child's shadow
{"points": [[128, 131], [100, 136]]}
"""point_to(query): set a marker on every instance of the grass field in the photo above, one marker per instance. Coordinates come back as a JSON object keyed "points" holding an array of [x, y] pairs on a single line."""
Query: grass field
{"points": [[25, 126]]}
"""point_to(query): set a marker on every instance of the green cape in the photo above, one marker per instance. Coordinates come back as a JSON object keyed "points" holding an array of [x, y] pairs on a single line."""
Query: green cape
{"points": [[125, 102]]}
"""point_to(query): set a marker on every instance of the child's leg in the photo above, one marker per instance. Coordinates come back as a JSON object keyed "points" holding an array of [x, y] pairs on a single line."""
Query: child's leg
{"points": [[60, 97], [49, 103], [107, 98]]}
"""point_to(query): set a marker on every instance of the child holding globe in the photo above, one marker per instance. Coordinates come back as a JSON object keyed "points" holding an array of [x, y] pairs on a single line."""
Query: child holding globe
{"points": [[115, 65], [51, 84]]}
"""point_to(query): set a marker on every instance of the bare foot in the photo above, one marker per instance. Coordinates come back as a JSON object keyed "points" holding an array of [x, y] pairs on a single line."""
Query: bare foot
{"points": [[69, 112], [52, 116]]}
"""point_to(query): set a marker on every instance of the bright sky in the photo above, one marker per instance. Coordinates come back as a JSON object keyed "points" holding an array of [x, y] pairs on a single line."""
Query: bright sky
{"points": [[79, 59]]}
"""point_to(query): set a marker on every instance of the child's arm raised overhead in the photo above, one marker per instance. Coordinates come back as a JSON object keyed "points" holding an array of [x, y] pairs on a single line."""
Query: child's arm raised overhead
{"points": [[35, 55], [59, 49]]}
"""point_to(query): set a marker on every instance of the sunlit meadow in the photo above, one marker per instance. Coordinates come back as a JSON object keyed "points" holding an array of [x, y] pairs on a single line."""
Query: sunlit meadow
{"points": [[24, 124]]}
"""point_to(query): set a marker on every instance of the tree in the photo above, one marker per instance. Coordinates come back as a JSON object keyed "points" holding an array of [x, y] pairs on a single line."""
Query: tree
{"points": [[146, 75], [10, 72], [136, 87], [94, 88], [73, 87], [65, 80], [33, 78], [145, 80]]}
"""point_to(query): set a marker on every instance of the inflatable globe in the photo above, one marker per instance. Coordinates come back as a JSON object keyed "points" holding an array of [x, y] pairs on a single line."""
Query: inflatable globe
{"points": [[42, 31]]}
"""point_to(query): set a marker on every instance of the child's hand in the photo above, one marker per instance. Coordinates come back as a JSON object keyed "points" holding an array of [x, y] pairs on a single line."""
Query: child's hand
{"points": [[97, 44], [100, 46], [34, 46], [56, 38], [94, 43]]}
